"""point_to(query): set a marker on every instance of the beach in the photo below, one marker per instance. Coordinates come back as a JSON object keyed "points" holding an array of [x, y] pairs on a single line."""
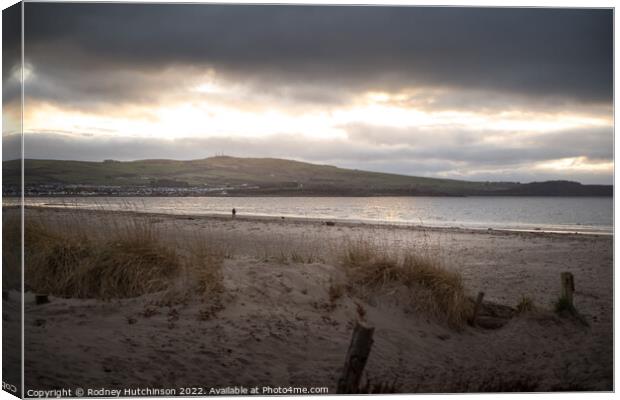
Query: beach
{"points": [[277, 321]]}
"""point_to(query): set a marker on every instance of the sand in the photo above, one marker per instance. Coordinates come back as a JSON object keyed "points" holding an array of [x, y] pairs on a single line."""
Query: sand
{"points": [[275, 324]]}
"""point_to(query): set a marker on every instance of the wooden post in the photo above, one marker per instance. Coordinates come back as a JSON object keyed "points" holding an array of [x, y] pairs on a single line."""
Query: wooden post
{"points": [[5, 295], [41, 299], [477, 308], [568, 287], [357, 355]]}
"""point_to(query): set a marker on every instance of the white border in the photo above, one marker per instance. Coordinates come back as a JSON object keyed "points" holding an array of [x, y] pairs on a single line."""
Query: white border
{"points": [[506, 3]]}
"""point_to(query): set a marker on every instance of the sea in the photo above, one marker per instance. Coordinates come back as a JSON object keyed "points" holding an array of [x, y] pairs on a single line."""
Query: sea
{"points": [[592, 215]]}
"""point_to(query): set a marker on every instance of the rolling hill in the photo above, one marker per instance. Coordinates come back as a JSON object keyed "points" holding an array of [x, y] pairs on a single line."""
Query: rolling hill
{"points": [[270, 176]]}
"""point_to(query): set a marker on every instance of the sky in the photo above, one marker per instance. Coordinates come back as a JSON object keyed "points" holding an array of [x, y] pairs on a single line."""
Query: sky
{"points": [[500, 94]]}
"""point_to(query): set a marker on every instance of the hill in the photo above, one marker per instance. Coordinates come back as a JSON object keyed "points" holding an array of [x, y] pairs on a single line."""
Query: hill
{"points": [[268, 176]]}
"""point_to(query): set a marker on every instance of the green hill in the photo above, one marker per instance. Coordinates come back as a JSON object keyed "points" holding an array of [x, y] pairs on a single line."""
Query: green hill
{"points": [[255, 176]]}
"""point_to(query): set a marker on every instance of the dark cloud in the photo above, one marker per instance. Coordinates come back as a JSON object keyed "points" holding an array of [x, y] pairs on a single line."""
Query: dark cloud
{"points": [[305, 59], [89, 50], [466, 146], [11, 53]]}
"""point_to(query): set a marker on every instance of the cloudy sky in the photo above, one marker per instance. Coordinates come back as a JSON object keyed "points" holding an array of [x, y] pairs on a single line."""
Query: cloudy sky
{"points": [[477, 94]]}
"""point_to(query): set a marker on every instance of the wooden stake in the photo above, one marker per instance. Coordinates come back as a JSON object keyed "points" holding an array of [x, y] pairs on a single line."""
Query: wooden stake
{"points": [[41, 299], [568, 287], [477, 308], [357, 355]]}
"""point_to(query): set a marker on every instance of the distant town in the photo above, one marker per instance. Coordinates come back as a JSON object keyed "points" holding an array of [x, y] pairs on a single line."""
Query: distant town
{"points": [[44, 190]]}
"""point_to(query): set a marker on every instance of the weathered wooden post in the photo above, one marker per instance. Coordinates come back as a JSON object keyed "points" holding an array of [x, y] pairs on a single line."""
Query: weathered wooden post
{"points": [[568, 287], [357, 355], [41, 299], [477, 308]]}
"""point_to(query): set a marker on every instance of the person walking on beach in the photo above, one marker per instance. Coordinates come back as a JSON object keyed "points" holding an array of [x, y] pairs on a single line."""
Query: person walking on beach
{"points": [[234, 212]]}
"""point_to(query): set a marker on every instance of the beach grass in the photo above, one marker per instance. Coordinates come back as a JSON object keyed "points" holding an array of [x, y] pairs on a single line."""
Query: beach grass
{"points": [[435, 290], [525, 305], [563, 305], [112, 259]]}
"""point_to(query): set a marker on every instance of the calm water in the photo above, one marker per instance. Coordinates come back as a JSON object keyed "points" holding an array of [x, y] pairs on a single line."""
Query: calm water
{"points": [[582, 214]]}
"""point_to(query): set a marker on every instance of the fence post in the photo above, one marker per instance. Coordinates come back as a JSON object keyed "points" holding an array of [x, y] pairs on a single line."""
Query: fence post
{"points": [[568, 287], [357, 355]]}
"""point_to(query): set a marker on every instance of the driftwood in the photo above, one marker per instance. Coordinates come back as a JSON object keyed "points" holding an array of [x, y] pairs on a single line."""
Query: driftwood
{"points": [[357, 355]]}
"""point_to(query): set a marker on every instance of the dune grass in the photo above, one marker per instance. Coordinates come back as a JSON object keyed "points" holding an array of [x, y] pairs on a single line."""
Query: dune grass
{"points": [[435, 290], [111, 258], [203, 265], [525, 305], [563, 305]]}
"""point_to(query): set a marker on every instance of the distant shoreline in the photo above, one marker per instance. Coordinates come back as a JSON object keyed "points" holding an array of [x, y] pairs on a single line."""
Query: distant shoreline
{"points": [[240, 176], [337, 222]]}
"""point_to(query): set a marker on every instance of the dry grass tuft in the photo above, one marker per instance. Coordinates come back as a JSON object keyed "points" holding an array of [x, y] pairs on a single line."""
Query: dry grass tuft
{"points": [[436, 291], [204, 267], [564, 308], [121, 266], [563, 305], [110, 260], [525, 305]]}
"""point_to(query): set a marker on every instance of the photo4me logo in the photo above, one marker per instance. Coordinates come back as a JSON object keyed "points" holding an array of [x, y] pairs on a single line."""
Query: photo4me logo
{"points": [[266, 390], [8, 387]]}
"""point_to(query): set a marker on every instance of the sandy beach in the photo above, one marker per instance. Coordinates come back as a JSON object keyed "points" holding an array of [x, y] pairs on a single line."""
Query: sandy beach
{"points": [[278, 323]]}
